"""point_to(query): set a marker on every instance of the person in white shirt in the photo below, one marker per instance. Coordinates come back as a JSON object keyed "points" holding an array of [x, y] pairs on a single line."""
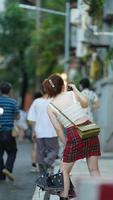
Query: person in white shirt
{"points": [[44, 132], [34, 155], [93, 100]]}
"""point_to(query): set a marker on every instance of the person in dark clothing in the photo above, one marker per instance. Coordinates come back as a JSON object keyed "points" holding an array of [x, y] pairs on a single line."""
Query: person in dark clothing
{"points": [[10, 113]]}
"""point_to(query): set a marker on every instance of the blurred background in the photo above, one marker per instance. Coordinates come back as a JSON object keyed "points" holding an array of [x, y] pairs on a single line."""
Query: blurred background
{"points": [[73, 37]]}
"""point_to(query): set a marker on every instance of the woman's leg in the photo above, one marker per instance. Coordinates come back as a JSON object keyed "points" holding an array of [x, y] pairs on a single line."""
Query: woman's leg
{"points": [[20, 134], [66, 169], [92, 163], [34, 153]]}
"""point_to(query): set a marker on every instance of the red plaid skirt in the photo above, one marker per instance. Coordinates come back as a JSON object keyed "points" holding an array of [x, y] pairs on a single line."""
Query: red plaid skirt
{"points": [[77, 148]]}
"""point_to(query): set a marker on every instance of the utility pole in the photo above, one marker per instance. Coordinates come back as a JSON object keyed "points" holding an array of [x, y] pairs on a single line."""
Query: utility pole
{"points": [[67, 38], [38, 14], [66, 14]]}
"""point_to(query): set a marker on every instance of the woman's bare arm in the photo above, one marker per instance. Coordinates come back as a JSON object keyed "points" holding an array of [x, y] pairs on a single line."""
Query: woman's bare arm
{"points": [[57, 125], [79, 96]]}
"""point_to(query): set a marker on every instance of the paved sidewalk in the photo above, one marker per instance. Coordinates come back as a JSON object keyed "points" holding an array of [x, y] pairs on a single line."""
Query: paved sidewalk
{"points": [[80, 169], [24, 186]]}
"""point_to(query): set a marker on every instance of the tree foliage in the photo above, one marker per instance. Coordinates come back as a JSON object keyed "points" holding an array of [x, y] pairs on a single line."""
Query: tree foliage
{"points": [[95, 9], [48, 41], [15, 34], [27, 50]]}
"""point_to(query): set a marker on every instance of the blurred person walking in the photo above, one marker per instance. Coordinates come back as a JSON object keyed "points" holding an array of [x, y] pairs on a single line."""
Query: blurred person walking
{"points": [[7, 141], [34, 155], [75, 147], [22, 125], [44, 133], [93, 100]]}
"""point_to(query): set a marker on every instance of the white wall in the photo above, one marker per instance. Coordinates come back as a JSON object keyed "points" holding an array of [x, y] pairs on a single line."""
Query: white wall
{"points": [[105, 114]]}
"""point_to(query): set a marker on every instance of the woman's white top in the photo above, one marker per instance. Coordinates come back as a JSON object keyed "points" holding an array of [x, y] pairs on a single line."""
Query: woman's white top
{"points": [[38, 113], [74, 112]]}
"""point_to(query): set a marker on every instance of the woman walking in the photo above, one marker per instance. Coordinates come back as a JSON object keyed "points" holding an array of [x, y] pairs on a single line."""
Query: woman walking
{"points": [[75, 147]]}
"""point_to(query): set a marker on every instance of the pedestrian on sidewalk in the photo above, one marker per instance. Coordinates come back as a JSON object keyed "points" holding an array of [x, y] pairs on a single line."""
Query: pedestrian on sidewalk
{"points": [[7, 141], [34, 155], [93, 100], [44, 133], [75, 147], [22, 126]]}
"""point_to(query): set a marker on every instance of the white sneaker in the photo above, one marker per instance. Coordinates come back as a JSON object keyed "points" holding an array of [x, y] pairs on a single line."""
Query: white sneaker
{"points": [[34, 169]]}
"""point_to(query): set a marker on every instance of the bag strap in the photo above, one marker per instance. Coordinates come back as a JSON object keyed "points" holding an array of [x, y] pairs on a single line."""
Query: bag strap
{"points": [[63, 114]]}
